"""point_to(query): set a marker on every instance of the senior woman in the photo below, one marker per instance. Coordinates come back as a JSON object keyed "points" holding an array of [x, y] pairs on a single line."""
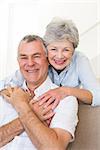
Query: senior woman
{"points": [[69, 69]]}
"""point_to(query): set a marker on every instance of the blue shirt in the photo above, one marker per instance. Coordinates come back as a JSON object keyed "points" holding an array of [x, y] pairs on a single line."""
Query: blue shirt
{"points": [[78, 73]]}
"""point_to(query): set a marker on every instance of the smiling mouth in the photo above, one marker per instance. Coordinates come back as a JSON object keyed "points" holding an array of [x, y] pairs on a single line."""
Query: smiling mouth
{"points": [[59, 62], [32, 71]]}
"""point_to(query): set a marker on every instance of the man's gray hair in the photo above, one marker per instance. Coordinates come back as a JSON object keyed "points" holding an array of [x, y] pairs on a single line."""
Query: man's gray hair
{"points": [[59, 29], [31, 38]]}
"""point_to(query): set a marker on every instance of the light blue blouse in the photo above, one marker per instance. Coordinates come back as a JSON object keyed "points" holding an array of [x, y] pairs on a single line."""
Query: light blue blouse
{"points": [[78, 73]]}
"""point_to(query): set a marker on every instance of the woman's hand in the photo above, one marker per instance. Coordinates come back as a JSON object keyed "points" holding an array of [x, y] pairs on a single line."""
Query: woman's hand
{"points": [[52, 97], [45, 114]]}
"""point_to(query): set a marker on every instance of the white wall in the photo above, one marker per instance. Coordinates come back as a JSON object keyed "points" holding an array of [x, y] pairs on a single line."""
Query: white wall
{"points": [[21, 17]]}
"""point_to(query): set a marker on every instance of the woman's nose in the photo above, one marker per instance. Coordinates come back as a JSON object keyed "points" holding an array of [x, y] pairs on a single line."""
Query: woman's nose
{"points": [[60, 55]]}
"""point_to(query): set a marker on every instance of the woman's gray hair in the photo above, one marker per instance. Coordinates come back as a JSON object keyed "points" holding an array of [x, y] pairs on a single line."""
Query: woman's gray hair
{"points": [[59, 29]]}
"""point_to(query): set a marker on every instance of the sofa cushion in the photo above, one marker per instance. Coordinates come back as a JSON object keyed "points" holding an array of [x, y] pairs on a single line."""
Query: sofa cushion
{"points": [[88, 129]]}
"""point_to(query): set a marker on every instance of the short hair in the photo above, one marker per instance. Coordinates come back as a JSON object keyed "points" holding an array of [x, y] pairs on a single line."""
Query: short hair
{"points": [[59, 29], [31, 38]]}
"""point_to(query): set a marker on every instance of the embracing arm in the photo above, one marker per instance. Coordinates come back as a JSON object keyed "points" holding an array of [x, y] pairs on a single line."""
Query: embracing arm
{"points": [[40, 135], [52, 96], [82, 95], [90, 88], [15, 127], [9, 131]]}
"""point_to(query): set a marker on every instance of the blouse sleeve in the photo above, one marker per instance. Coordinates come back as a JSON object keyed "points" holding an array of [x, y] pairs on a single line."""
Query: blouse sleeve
{"points": [[15, 79], [88, 79]]}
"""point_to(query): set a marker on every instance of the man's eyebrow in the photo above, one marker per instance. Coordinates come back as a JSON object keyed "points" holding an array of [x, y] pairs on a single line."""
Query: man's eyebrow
{"points": [[20, 54], [37, 53]]}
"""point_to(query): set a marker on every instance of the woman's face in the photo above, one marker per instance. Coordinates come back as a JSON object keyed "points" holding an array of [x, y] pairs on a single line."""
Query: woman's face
{"points": [[60, 54]]}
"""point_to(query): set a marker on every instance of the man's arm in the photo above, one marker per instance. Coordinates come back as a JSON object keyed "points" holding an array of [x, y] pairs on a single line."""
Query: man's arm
{"points": [[9, 131], [42, 137], [62, 126], [15, 127]]}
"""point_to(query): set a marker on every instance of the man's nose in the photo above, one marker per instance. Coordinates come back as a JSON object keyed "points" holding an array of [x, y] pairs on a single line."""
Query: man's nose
{"points": [[31, 62]]}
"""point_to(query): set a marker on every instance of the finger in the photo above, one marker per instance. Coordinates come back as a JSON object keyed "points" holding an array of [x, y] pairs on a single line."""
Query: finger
{"points": [[4, 92], [48, 121], [45, 123], [50, 101], [56, 102], [49, 115], [44, 99], [16, 88], [42, 96], [10, 90], [6, 97], [32, 101], [47, 109], [28, 94]]}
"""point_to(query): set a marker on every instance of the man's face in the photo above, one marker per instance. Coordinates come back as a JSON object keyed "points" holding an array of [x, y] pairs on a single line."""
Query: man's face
{"points": [[33, 62]]}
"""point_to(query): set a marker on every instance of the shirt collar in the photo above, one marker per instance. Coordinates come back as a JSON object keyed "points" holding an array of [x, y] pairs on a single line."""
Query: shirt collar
{"points": [[55, 72], [42, 88]]}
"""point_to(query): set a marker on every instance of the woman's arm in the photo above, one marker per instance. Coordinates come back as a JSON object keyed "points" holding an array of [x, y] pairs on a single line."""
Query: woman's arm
{"points": [[82, 95], [89, 93], [55, 95]]}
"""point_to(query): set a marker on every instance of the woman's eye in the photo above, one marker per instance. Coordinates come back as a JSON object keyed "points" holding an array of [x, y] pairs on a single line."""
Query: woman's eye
{"points": [[66, 49]]}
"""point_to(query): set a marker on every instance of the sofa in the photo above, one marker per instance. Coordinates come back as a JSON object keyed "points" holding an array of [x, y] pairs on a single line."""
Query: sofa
{"points": [[87, 135]]}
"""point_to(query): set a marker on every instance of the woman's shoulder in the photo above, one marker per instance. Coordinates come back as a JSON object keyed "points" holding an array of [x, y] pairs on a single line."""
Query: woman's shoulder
{"points": [[79, 56]]}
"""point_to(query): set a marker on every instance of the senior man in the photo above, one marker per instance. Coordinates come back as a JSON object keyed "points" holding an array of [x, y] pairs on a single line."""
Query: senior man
{"points": [[21, 126]]}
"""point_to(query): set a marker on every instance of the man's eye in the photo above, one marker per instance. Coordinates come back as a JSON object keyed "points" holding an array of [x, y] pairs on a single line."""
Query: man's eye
{"points": [[53, 49], [37, 56]]}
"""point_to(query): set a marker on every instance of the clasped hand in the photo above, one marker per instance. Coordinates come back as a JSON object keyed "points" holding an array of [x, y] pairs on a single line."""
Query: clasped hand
{"points": [[16, 96]]}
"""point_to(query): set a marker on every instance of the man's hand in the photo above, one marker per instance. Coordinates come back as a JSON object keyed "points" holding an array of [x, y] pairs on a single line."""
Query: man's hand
{"points": [[15, 95], [6, 93]]}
